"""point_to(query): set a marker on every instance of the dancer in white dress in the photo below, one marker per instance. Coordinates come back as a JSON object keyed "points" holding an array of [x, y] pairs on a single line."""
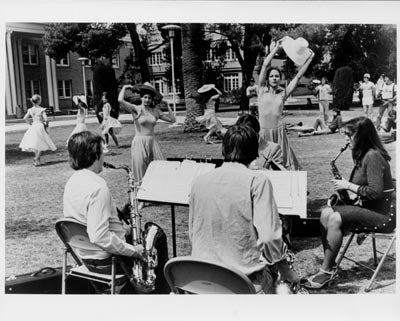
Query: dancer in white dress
{"points": [[109, 125], [81, 115], [36, 139]]}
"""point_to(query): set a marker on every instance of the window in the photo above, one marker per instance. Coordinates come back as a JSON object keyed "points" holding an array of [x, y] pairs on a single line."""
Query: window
{"points": [[158, 83], [30, 54], [211, 54], [64, 61], [156, 58], [32, 87], [115, 61], [64, 88], [177, 87], [231, 81], [230, 55], [89, 88]]}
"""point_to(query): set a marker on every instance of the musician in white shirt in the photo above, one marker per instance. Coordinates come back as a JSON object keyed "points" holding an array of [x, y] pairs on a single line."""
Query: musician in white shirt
{"points": [[88, 200], [233, 217]]}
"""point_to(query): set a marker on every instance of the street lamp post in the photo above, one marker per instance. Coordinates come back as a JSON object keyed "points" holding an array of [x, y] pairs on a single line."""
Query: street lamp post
{"points": [[171, 33], [83, 61]]}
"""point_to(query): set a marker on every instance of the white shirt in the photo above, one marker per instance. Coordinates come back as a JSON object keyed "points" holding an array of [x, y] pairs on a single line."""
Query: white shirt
{"points": [[388, 91], [367, 89], [323, 91], [88, 200], [233, 219]]}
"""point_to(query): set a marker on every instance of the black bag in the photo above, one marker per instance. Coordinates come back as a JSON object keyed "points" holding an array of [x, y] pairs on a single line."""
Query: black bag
{"points": [[45, 281]]}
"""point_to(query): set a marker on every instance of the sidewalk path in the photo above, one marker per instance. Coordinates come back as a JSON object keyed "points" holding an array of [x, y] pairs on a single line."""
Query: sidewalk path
{"points": [[16, 127]]}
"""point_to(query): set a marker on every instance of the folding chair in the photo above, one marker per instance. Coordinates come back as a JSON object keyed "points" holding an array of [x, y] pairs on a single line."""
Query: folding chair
{"points": [[190, 275], [377, 265], [74, 236]]}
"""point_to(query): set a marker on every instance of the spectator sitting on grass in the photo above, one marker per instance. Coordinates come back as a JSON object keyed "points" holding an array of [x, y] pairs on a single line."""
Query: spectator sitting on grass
{"points": [[331, 128]]}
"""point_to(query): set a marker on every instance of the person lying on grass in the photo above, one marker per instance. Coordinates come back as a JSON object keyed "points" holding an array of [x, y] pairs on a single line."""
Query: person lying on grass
{"points": [[319, 127]]}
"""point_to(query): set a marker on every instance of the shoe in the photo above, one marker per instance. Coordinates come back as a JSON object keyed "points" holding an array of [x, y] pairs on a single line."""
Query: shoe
{"points": [[207, 140], [325, 278]]}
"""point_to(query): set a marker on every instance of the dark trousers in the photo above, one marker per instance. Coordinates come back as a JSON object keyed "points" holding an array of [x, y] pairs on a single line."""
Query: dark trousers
{"points": [[123, 265]]}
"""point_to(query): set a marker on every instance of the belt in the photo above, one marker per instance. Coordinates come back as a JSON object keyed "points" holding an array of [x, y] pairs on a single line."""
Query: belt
{"points": [[100, 262]]}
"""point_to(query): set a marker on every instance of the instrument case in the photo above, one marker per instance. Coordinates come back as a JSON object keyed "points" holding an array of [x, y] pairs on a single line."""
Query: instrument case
{"points": [[45, 281]]}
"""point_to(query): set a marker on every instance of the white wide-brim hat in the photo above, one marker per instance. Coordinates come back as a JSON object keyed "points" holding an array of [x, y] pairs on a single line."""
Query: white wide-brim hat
{"points": [[205, 88], [82, 98], [297, 50]]}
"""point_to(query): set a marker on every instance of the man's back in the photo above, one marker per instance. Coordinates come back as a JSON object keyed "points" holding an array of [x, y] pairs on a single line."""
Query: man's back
{"points": [[225, 208]]}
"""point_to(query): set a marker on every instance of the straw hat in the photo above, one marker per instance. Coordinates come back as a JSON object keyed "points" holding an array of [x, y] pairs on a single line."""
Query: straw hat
{"points": [[316, 81], [76, 99], [205, 88], [147, 88], [367, 75], [297, 50]]}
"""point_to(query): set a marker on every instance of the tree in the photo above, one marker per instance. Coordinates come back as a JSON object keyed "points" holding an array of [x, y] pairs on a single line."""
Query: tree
{"points": [[192, 67], [96, 41], [342, 88]]}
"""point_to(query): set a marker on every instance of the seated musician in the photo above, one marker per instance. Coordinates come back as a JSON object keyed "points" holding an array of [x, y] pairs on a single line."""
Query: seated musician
{"points": [[371, 182], [233, 217], [88, 200], [269, 153]]}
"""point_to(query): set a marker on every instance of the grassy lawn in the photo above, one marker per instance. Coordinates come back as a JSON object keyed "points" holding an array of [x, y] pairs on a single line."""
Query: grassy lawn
{"points": [[34, 198]]}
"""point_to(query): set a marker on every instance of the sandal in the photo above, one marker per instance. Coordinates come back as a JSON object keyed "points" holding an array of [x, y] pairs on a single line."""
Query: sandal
{"points": [[208, 141], [312, 283]]}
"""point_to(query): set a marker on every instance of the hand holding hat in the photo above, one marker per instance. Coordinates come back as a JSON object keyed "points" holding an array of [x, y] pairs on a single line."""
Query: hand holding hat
{"points": [[297, 50]]}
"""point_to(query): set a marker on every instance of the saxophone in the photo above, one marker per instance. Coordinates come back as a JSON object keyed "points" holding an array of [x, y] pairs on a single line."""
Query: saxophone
{"points": [[341, 197], [146, 276]]}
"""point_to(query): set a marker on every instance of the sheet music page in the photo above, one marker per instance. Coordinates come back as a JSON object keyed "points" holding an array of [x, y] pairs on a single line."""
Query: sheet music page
{"points": [[290, 191], [171, 181]]}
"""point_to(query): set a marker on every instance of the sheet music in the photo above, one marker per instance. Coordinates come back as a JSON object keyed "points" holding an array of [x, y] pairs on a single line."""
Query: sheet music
{"points": [[290, 191], [171, 181]]}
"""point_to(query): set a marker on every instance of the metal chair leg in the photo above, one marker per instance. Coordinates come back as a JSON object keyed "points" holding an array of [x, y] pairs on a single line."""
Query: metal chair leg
{"points": [[113, 275], [64, 271], [342, 254], [374, 250], [368, 288]]}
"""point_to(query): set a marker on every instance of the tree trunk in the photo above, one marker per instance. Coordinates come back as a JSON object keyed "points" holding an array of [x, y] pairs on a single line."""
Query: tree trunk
{"points": [[140, 55], [192, 68]]}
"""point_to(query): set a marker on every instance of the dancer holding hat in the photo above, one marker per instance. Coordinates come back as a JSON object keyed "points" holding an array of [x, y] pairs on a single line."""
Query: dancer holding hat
{"points": [[208, 96], [145, 147], [110, 125], [272, 97], [80, 102]]}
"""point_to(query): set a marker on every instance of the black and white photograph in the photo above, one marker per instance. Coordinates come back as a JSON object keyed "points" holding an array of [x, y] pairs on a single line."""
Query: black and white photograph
{"points": [[154, 150]]}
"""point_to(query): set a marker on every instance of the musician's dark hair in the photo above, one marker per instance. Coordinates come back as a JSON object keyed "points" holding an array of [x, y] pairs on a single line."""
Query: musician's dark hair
{"points": [[249, 120], [84, 149], [365, 138], [240, 145]]}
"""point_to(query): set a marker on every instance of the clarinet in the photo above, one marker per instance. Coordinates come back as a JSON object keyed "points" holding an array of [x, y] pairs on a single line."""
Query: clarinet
{"points": [[341, 197], [153, 239]]}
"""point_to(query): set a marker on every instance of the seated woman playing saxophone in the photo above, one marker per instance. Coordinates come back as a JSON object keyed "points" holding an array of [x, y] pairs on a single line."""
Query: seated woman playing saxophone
{"points": [[371, 181]]}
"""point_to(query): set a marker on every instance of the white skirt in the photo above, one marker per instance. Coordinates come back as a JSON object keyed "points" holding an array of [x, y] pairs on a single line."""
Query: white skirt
{"points": [[80, 127], [109, 123], [36, 139]]}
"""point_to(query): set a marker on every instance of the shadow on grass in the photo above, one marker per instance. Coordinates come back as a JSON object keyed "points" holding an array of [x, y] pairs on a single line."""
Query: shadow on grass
{"points": [[49, 163], [14, 154], [24, 228]]}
